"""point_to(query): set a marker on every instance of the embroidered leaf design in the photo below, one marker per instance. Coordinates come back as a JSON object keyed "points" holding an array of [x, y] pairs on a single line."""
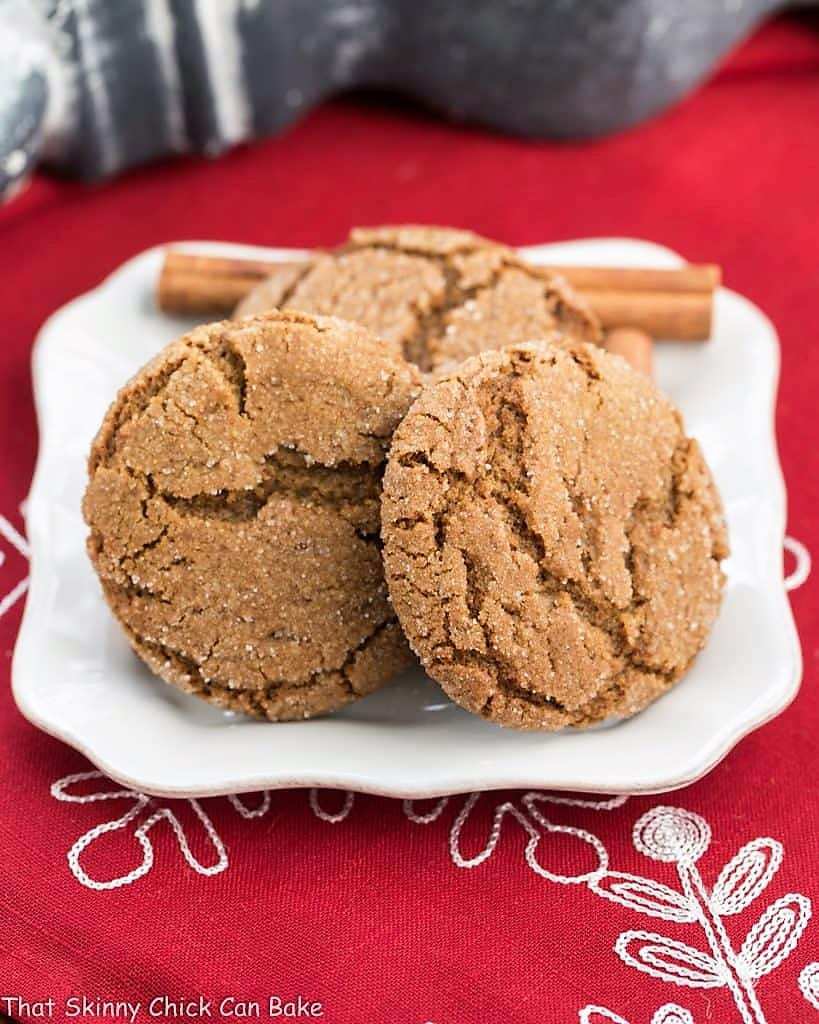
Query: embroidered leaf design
{"points": [[671, 1013], [646, 895], [668, 960], [249, 813], [62, 790], [775, 935], [809, 984], [331, 817], [532, 844], [501, 811], [746, 875], [599, 1015]]}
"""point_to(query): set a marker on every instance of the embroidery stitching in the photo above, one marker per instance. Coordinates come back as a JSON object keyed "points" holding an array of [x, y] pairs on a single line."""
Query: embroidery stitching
{"points": [[801, 571], [20, 544], [664, 834], [809, 984], [669, 1013]]}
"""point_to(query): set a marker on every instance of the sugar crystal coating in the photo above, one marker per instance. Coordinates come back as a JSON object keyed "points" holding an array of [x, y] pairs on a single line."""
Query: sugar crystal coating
{"points": [[552, 539], [233, 506], [436, 294]]}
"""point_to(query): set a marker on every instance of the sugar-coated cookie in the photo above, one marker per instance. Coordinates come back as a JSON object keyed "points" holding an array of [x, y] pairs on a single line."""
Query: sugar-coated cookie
{"points": [[552, 539], [438, 294], [233, 506]]}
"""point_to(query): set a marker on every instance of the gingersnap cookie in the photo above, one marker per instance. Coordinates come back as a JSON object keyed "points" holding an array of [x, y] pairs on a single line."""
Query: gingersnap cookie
{"points": [[438, 294], [552, 539], [233, 505]]}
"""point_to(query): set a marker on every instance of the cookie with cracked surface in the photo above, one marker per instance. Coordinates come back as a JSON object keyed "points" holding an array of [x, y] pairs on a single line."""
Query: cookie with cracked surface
{"points": [[552, 539], [437, 294], [233, 506]]}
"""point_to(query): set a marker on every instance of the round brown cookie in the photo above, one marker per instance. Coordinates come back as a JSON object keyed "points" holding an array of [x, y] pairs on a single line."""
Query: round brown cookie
{"points": [[440, 295], [552, 539], [233, 504]]}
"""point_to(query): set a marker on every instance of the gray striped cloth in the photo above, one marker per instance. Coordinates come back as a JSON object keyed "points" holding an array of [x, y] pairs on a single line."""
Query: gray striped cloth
{"points": [[94, 86]]}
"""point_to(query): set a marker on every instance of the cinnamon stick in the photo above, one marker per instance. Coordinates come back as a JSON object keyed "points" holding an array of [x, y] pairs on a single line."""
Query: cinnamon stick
{"points": [[664, 303], [634, 345], [683, 316], [191, 285], [691, 277]]}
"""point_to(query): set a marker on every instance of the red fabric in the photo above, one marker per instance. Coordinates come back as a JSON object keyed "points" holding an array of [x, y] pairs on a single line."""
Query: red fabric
{"points": [[370, 915]]}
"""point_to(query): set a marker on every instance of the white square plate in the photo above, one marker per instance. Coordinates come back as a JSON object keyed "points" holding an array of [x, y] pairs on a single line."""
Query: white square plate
{"points": [[75, 677]]}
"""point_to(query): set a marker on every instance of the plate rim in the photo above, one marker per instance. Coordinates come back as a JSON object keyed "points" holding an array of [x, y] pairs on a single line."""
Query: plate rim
{"points": [[701, 762]]}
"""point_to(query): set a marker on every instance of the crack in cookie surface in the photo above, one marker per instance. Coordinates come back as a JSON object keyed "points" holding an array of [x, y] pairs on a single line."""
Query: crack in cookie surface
{"points": [[351, 490], [440, 295], [552, 539], [361, 672]]}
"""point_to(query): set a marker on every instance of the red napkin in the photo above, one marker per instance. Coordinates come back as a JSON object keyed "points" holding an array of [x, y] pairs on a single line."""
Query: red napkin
{"points": [[378, 911]]}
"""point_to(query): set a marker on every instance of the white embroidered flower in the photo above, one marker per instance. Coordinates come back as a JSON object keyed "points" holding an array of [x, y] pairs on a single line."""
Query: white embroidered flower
{"points": [[63, 791], [538, 829], [680, 837], [672, 834]]}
